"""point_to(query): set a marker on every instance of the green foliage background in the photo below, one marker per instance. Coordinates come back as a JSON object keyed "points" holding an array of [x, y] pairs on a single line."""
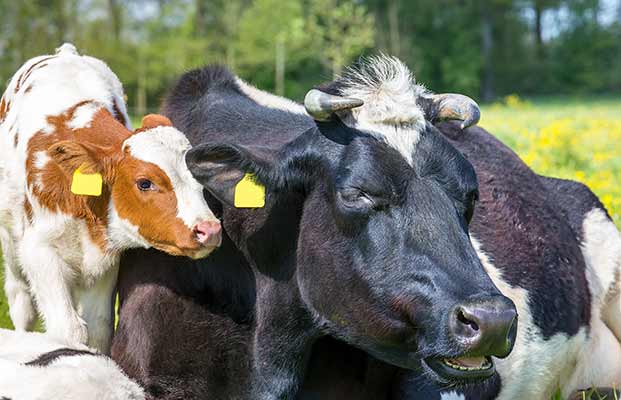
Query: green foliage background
{"points": [[484, 48]]}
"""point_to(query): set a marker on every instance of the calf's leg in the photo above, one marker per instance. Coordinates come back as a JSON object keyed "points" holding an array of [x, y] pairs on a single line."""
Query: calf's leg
{"points": [[96, 306], [21, 309], [50, 278]]}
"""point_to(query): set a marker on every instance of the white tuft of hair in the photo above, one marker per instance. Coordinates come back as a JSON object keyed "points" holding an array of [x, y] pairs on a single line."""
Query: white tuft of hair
{"points": [[390, 111], [67, 48]]}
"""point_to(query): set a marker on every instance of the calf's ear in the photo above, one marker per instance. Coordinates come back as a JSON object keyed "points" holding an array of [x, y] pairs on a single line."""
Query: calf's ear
{"points": [[154, 120], [71, 155], [220, 167]]}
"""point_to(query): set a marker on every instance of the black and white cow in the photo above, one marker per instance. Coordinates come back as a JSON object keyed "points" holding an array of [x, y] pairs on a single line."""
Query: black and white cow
{"points": [[363, 237]]}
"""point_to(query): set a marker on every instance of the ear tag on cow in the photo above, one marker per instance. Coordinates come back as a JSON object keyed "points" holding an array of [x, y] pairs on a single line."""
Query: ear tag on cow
{"points": [[249, 193], [86, 184]]}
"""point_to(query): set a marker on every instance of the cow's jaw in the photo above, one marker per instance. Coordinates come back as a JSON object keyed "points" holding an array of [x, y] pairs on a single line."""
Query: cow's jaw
{"points": [[461, 370]]}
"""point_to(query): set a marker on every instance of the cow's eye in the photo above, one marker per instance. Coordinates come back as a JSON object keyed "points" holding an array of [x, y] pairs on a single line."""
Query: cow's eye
{"points": [[145, 184], [355, 198]]}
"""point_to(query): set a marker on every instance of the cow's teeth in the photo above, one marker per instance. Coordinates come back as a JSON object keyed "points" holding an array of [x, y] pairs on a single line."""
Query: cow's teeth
{"points": [[456, 364]]}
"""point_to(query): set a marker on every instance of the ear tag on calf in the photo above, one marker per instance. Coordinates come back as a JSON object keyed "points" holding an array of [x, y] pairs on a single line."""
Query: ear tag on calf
{"points": [[249, 193], [86, 184]]}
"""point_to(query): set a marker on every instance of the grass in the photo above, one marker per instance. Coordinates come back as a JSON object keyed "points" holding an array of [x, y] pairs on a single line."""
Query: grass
{"points": [[569, 138], [576, 139]]}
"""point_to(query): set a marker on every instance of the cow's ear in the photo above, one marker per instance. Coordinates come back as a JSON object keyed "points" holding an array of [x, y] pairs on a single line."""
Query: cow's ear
{"points": [[221, 167], [71, 155], [153, 121]]}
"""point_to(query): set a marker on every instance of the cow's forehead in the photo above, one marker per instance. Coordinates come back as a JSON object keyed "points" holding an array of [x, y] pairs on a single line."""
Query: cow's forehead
{"points": [[390, 111]]}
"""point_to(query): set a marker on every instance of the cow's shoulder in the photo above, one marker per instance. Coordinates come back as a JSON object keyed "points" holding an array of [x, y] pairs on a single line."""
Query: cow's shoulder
{"points": [[525, 233], [575, 201]]}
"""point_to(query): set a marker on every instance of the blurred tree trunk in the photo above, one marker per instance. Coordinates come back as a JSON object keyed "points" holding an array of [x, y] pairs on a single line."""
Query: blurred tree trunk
{"points": [[60, 22], [280, 65], [538, 28], [115, 11], [393, 25], [487, 44], [141, 86], [201, 18]]}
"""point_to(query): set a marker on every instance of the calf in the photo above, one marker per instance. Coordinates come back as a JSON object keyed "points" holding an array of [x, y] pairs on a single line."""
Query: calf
{"points": [[34, 366], [77, 188]]}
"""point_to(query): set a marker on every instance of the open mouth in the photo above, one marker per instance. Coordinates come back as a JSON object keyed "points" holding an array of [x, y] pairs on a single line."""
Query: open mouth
{"points": [[462, 368]]}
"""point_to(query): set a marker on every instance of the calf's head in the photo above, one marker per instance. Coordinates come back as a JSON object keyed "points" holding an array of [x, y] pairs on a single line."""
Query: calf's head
{"points": [[153, 200], [383, 256]]}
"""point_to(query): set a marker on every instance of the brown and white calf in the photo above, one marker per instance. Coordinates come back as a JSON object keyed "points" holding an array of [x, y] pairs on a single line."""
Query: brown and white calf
{"points": [[65, 112]]}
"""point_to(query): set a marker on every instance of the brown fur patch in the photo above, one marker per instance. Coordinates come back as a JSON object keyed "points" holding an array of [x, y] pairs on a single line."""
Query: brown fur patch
{"points": [[4, 109], [55, 191], [97, 148], [28, 210], [117, 113], [156, 216]]}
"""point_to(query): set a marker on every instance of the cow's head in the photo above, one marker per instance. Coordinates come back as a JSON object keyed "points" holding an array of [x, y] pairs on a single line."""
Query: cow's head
{"points": [[153, 199], [384, 260]]}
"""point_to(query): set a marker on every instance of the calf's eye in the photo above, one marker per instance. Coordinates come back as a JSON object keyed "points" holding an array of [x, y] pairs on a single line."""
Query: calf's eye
{"points": [[145, 184]]}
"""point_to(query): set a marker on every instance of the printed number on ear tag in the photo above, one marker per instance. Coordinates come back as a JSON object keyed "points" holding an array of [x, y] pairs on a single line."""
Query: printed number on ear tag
{"points": [[249, 193], [86, 184]]}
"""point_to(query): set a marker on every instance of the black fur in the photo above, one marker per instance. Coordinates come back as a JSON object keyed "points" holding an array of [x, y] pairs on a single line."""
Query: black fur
{"points": [[46, 359]]}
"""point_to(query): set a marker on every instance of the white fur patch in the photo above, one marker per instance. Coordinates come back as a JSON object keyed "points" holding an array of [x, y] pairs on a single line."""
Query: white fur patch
{"points": [[269, 100], [166, 147], [452, 396], [122, 234], [390, 111], [543, 364], [83, 115], [602, 252], [41, 158], [72, 378]]}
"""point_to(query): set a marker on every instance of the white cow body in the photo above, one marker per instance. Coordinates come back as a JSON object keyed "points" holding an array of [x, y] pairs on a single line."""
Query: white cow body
{"points": [[74, 377]]}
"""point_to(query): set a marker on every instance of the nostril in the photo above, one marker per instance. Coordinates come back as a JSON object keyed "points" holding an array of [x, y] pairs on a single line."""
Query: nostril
{"points": [[461, 317], [207, 231]]}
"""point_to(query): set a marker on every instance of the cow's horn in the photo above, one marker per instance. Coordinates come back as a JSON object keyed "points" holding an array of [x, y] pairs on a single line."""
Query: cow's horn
{"points": [[455, 106], [322, 105]]}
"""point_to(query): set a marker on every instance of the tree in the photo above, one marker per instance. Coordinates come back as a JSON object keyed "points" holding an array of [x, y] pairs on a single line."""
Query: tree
{"points": [[268, 37], [339, 31]]}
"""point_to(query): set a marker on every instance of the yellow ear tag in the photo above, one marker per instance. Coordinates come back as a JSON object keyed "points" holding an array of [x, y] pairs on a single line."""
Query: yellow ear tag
{"points": [[249, 193], [86, 184]]}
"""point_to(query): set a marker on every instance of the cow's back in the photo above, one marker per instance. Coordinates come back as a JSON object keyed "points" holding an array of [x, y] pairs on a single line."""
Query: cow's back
{"points": [[225, 109]]}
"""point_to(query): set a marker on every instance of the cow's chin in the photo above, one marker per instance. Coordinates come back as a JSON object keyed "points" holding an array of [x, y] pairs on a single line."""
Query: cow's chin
{"points": [[194, 253], [458, 371]]}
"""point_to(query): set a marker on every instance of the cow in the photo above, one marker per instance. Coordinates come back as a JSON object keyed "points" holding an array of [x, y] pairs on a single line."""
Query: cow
{"points": [[34, 366], [549, 357], [345, 218], [78, 187]]}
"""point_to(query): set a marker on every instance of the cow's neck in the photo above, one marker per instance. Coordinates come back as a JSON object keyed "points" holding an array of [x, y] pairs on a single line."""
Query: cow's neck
{"points": [[284, 329]]}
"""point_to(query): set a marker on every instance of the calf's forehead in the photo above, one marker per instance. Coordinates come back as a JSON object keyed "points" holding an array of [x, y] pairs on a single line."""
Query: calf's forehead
{"points": [[162, 146]]}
